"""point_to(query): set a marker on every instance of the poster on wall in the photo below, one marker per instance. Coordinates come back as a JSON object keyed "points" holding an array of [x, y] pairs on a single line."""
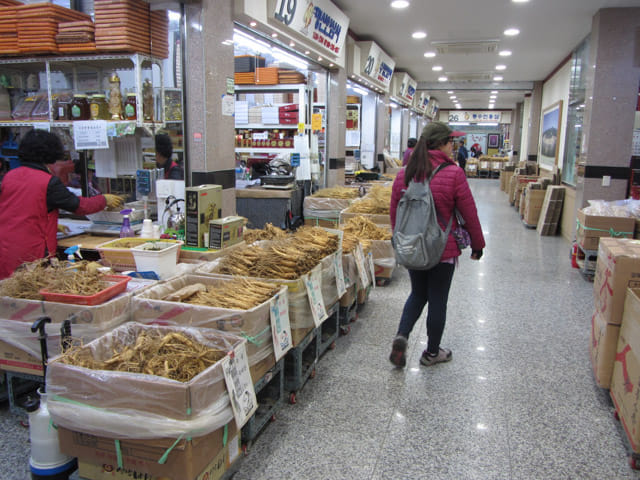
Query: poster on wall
{"points": [[550, 136], [477, 142]]}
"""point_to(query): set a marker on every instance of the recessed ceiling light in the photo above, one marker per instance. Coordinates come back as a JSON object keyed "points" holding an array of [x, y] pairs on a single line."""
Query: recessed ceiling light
{"points": [[458, 106], [320, 59], [450, 92], [399, 4], [501, 67], [292, 44], [331, 64], [511, 32], [519, 1], [442, 79], [418, 35], [429, 54], [436, 68], [307, 52], [491, 105], [493, 97], [498, 78], [453, 97], [505, 53], [494, 91], [274, 34], [253, 24]]}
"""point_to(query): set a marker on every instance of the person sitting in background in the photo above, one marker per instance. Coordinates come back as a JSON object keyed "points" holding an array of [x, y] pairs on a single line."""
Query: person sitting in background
{"points": [[164, 151], [30, 197], [411, 144]]}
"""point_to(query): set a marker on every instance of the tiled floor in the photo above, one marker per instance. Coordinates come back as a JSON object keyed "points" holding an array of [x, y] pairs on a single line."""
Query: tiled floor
{"points": [[518, 401]]}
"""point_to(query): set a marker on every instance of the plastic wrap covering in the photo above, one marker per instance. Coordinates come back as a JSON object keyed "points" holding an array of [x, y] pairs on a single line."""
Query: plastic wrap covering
{"points": [[133, 405], [383, 254], [300, 316], [329, 285], [324, 208], [87, 322], [253, 324], [351, 275], [618, 208]]}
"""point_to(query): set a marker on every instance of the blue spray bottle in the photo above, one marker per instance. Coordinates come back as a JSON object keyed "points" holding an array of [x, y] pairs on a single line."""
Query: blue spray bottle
{"points": [[71, 253]]}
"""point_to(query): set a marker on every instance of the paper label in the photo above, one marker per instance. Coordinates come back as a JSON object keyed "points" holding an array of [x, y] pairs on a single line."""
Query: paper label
{"points": [[239, 385], [90, 135], [316, 122], [372, 269], [360, 264], [313, 282], [280, 325], [228, 105], [337, 265]]}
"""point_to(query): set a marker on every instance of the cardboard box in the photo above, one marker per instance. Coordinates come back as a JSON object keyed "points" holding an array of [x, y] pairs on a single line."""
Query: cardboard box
{"points": [[533, 206], [202, 204], [148, 308], [551, 210], [324, 212], [224, 232], [617, 268], [349, 297], [625, 381], [592, 228], [197, 459], [505, 179], [602, 349]]}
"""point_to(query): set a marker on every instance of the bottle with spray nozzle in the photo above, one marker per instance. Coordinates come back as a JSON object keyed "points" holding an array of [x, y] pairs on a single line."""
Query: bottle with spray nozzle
{"points": [[126, 230], [71, 253]]}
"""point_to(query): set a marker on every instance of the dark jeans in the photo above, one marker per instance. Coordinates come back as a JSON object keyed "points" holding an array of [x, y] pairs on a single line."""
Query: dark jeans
{"points": [[430, 286]]}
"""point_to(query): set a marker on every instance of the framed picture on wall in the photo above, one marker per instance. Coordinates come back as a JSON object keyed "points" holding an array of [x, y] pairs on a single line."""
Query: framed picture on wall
{"points": [[493, 140], [550, 136]]}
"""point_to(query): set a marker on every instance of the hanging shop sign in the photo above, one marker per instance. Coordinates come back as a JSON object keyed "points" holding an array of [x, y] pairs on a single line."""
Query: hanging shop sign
{"points": [[403, 88], [320, 21], [375, 64], [432, 108], [418, 102], [474, 116], [425, 101]]}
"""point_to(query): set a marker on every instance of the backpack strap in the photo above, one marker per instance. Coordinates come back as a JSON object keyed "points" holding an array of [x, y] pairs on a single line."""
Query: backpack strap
{"points": [[440, 167]]}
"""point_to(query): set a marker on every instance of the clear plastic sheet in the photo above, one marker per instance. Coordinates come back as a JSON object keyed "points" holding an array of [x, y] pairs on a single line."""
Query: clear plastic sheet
{"points": [[616, 208], [134, 405], [383, 254], [324, 208], [253, 324]]}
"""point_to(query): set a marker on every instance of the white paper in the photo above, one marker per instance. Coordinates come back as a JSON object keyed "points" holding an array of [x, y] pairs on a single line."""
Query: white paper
{"points": [[313, 283], [242, 112], [239, 385], [372, 269], [352, 138], [301, 146], [280, 325], [228, 105], [360, 264], [90, 134], [337, 265], [105, 162]]}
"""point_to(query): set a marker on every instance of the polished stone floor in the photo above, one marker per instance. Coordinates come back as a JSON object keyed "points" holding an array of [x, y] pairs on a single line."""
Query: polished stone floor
{"points": [[517, 401]]}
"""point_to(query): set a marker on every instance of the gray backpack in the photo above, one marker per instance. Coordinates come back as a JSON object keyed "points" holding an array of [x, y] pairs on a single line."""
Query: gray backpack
{"points": [[417, 239]]}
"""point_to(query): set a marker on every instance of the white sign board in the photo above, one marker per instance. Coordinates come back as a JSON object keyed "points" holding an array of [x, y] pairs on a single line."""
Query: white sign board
{"points": [[280, 324], [376, 64], [239, 385], [90, 135], [474, 116], [313, 283]]}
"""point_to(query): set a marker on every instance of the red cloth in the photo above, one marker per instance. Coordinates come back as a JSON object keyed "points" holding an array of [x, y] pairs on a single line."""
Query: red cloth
{"points": [[450, 190], [167, 171], [406, 156], [29, 229]]}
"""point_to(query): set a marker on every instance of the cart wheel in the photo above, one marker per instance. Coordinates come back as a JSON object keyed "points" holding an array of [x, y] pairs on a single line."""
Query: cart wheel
{"points": [[245, 449], [24, 424], [633, 462], [379, 282], [332, 346], [345, 330], [292, 398], [313, 373], [273, 418], [616, 415]]}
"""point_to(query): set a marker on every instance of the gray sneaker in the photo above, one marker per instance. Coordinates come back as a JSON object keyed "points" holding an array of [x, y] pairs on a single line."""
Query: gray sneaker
{"points": [[444, 355], [398, 350]]}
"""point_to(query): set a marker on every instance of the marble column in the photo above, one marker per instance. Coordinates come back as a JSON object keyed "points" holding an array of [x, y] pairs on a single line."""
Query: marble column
{"points": [[336, 125], [611, 98], [534, 123], [209, 67], [382, 124], [516, 128]]}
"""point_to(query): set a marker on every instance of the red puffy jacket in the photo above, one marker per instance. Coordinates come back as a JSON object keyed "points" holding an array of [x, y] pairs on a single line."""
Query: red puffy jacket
{"points": [[450, 190]]}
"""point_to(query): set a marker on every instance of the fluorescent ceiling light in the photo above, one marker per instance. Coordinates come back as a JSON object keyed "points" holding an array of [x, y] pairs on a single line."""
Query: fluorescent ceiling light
{"points": [[494, 91], [442, 79], [505, 53], [362, 92], [501, 67], [511, 32], [488, 124], [245, 40], [498, 78], [459, 124], [491, 105], [429, 54], [418, 35], [436, 68], [458, 107], [519, 1], [285, 57], [399, 4]]}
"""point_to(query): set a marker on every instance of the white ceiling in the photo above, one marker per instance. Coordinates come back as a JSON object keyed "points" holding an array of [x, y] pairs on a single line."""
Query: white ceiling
{"points": [[549, 31]]}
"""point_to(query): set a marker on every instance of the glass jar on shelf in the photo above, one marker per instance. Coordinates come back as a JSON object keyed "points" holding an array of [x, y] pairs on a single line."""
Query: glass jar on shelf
{"points": [[98, 107], [130, 107], [80, 107]]}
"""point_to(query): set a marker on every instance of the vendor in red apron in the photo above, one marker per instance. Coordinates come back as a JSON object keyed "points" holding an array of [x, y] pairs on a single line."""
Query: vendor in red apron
{"points": [[30, 197], [164, 151]]}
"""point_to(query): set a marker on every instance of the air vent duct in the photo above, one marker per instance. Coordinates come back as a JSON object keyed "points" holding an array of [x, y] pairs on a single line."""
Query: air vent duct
{"points": [[465, 48], [469, 76]]}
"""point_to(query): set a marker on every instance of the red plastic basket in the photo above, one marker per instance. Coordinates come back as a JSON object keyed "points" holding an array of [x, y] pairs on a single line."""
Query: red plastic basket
{"points": [[118, 285]]}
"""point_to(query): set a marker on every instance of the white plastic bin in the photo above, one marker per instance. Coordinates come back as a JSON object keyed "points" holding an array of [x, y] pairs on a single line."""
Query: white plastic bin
{"points": [[159, 256]]}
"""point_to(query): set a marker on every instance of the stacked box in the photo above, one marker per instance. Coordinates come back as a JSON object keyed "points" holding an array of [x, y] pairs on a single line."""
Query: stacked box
{"points": [[288, 114], [591, 228], [505, 179], [533, 205], [202, 204], [551, 210], [625, 381], [518, 186], [602, 349], [224, 232]]}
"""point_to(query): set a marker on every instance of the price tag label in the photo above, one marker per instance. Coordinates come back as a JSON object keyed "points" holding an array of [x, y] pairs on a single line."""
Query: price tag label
{"points": [[337, 265], [90, 135], [280, 325], [239, 385], [372, 269], [313, 282], [316, 122], [361, 266]]}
